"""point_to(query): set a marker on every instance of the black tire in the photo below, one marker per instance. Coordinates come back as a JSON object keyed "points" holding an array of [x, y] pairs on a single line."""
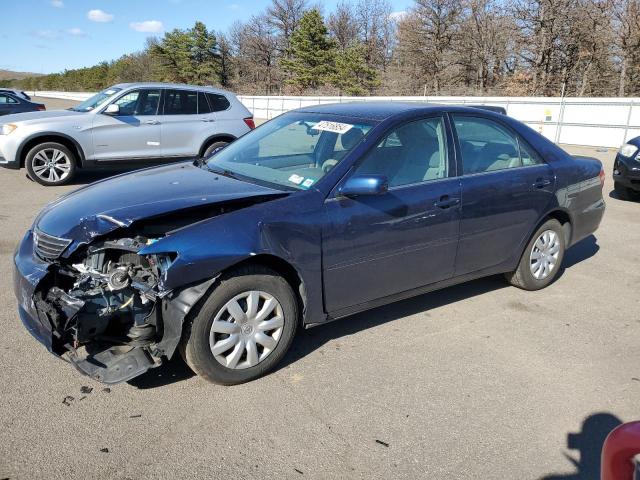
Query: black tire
{"points": [[195, 347], [625, 193], [33, 161], [212, 148], [523, 277]]}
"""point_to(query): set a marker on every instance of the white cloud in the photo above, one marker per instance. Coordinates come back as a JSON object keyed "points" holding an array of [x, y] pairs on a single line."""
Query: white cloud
{"points": [[148, 26], [397, 16], [76, 32], [57, 3], [99, 16]]}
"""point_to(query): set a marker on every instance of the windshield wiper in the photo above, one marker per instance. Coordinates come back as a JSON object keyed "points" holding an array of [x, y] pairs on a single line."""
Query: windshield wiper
{"points": [[221, 171]]}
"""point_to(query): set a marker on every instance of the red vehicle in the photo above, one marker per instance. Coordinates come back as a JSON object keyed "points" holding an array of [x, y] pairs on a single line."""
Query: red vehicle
{"points": [[618, 452]]}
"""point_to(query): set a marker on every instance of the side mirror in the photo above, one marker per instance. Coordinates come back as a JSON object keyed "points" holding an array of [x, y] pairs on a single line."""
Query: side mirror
{"points": [[364, 185], [112, 109]]}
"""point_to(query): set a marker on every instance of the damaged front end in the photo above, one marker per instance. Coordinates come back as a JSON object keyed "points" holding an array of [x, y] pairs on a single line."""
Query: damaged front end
{"points": [[107, 311]]}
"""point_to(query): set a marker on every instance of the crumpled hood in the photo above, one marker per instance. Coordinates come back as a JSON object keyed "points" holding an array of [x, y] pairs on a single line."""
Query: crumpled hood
{"points": [[119, 201], [31, 118]]}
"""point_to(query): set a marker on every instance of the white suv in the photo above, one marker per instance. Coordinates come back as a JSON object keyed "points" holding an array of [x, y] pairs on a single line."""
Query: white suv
{"points": [[134, 122]]}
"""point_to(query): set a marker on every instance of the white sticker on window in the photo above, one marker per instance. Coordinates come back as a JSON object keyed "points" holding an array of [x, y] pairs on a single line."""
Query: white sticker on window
{"points": [[297, 179], [308, 182], [335, 127]]}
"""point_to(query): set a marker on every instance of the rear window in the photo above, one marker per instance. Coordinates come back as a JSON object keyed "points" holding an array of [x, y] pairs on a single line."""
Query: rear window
{"points": [[180, 102], [218, 102]]}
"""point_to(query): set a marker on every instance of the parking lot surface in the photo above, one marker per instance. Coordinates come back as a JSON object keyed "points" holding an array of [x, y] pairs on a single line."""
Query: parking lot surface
{"points": [[478, 381]]}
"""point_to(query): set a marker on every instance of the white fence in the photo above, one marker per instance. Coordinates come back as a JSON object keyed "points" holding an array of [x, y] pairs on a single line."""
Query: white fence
{"points": [[597, 122]]}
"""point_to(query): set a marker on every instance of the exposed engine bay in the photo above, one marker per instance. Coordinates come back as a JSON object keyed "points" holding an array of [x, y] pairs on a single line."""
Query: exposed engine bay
{"points": [[105, 304], [107, 301]]}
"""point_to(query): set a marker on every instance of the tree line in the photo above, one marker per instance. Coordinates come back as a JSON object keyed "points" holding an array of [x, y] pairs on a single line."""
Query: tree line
{"points": [[437, 47]]}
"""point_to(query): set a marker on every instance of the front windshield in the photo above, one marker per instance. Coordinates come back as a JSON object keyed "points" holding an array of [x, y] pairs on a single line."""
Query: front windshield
{"points": [[92, 102], [294, 150]]}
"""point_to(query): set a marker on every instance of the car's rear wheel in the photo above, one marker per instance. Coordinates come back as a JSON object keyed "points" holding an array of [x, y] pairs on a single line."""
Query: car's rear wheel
{"points": [[211, 149], [541, 260], [243, 329], [51, 164]]}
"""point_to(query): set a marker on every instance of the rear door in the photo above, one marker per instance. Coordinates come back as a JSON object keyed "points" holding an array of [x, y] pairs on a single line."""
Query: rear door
{"points": [[134, 133], [187, 121], [506, 187]]}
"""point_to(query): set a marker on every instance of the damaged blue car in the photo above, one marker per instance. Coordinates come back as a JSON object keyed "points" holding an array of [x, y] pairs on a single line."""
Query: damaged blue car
{"points": [[316, 215]]}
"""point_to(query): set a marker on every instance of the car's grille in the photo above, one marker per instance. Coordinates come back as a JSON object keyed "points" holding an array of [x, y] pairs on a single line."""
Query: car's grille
{"points": [[48, 246]]}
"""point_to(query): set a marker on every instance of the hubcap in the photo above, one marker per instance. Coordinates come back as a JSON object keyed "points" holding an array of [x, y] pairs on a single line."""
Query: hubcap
{"points": [[51, 165], [246, 330], [544, 255]]}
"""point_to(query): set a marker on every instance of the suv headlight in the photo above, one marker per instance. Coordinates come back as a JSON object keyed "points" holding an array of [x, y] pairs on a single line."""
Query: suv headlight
{"points": [[628, 150], [7, 128]]}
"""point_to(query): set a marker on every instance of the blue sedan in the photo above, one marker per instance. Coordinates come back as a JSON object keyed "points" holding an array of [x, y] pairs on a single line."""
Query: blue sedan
{"points": [[316, 215]]}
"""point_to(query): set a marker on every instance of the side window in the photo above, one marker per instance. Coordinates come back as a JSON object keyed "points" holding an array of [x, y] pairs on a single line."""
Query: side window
{"points": [[486, 146], [7, 99], [218, 102], [139, 102], [203, 105], [413, 153], [180, 102], [528, 155]]}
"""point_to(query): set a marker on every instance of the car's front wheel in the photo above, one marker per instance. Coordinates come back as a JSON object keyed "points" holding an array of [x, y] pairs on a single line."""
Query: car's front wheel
{"points": [[243, 329], [541, 260], [625, 193], [51, 164]]}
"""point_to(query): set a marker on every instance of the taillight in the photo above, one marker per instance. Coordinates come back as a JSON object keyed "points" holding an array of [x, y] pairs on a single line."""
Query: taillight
{"points": [[41, 108], [602, 177], [250, 123]]}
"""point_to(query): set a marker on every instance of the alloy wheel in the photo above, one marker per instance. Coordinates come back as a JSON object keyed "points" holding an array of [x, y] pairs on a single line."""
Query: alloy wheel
{"points": [[51, 165]]}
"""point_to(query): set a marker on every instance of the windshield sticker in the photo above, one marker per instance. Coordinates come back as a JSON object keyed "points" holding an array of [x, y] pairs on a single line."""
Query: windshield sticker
{"points": [[297, 179], [110, 92], [335, 127], [308, 182]]}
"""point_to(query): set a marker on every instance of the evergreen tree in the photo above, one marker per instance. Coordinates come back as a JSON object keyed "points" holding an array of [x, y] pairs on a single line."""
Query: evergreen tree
{"points": [[311, 56], [352, 75], [188, 56]]}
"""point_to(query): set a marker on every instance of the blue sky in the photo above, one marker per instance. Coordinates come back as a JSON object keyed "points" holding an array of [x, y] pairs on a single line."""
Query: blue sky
{"points": [[45, 36]]}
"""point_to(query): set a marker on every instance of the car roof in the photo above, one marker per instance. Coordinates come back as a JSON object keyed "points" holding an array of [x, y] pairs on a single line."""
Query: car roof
{"points": [[171, 85], [381, 110]]}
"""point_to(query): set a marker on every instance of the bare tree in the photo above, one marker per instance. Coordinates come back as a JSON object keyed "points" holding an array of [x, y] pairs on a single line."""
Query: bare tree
{"points": [[342, 26]]}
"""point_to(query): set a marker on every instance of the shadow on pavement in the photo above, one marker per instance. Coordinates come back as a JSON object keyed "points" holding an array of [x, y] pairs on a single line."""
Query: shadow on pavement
{"points": [[173, 371], [588, 443], [581, 251]]}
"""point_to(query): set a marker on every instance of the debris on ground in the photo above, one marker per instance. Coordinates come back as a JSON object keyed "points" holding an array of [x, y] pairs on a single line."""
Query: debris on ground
{"points": [[104, 450], [299, 471], [85, 389], [67, 400], [106, 390], [82, 398], [382, 443], [135, 416]]}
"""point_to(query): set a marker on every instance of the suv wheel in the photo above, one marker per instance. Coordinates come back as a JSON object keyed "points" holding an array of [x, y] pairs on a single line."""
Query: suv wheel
{"points": [[213, 147], [541, 260], [243, 329], [51, 164]]}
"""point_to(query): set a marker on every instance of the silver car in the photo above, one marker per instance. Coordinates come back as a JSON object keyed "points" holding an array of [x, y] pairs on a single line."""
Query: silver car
{"points": [[124, 124]]}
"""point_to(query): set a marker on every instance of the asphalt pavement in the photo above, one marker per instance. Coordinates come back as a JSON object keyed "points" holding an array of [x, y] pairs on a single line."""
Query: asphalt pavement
{"points": [[478, 381]]}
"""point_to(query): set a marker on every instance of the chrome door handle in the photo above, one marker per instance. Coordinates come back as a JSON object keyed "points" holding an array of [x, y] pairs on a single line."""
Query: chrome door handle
{"points": [[152, 122], [207, 120]]}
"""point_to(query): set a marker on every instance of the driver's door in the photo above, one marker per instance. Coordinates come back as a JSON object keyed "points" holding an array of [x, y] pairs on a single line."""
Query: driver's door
{"points": [[133, 133], [381, 245]]}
